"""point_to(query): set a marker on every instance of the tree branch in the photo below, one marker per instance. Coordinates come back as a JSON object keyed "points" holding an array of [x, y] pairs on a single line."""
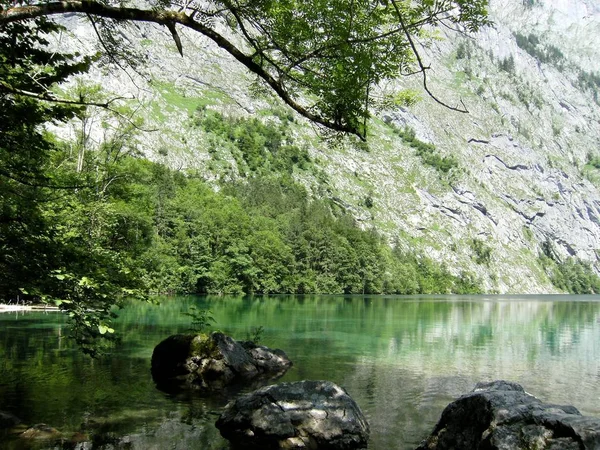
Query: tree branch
{"points": [[420, 62], [173, 30], [4, 173], [169, 19], [48, 98]]}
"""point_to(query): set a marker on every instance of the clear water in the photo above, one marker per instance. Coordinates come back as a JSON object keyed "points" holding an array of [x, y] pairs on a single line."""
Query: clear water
{"points": [[403, 359]]}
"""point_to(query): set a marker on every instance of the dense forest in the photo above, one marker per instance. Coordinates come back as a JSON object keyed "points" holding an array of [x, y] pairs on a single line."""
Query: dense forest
{"points": [[132, 222]]}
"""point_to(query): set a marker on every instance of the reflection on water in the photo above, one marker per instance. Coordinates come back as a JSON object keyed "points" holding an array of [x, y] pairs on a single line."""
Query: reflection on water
{"points": [[401, 358]]}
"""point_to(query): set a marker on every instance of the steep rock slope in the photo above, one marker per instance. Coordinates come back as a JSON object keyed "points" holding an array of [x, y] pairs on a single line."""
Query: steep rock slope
{"points": [[516, 174]]}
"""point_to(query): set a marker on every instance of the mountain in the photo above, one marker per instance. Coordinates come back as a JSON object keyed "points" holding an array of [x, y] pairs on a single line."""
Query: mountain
{"points": [[487, 192]]}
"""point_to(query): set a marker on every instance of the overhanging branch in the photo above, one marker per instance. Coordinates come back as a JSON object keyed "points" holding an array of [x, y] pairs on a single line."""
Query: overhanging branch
{"points": [[423, 68], [49, 98], [169, 19]]}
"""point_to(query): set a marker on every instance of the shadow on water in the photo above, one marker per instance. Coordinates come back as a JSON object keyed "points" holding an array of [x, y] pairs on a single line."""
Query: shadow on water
{"points": [[401, 358]]}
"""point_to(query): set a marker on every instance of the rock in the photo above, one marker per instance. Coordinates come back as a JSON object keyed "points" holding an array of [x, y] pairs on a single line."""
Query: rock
{"points": [[41, 431], [211, 362], [298, 415], [265, 359], [501, 416]]}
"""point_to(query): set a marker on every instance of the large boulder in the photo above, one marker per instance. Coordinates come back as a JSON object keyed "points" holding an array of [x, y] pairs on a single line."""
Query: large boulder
{"points": [[298, 415], [501, 416], [211, 362]]}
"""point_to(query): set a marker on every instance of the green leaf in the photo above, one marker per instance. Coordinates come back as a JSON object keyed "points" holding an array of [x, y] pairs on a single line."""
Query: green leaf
{"points": [[103, 329], [60, 302]]}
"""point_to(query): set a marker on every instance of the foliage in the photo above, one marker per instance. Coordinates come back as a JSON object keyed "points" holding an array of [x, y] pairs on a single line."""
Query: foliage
{"points": [[201, 318], [482, 253], [323, 58], [256, 334], [545, 53], [59, 235], [415, 274], [576, 277], [427, 152], [84, 226], [589, 81], [264, 235], [594, 161], [260, 148], [507, 65], [571, 275], [463, 50], [550, 54], [591, 170]]}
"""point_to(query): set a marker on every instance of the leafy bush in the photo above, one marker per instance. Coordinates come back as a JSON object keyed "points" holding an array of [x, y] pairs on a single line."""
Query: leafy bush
{"points": [[482, 252], [201, 319], [427, 152], [572, 275], [259, 147], [256, 334]]}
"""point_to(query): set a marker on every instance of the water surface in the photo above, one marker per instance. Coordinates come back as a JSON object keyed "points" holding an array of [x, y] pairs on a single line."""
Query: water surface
{"points": [[403, 359]]}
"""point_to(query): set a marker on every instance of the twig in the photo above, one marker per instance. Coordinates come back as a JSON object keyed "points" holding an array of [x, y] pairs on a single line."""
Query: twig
{"points": [[420, 62], [48, 98]]}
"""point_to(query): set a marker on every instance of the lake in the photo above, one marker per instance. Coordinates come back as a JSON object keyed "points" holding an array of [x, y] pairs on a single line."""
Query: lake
{"points": [[402, 358]]}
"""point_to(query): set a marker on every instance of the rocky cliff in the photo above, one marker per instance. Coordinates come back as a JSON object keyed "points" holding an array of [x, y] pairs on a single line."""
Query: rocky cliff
{"points": [[481, 191]]}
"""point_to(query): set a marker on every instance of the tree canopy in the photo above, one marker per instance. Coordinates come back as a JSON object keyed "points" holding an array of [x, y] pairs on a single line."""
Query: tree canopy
{"points": [[323, 58]]}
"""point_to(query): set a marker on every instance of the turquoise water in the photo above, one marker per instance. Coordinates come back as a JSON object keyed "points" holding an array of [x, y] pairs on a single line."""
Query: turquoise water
{"points": [[403, 359]]}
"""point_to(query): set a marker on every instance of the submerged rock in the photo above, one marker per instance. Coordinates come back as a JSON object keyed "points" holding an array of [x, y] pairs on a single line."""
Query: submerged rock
{"points": [[299, 415], [501, 416], [211, 362]]}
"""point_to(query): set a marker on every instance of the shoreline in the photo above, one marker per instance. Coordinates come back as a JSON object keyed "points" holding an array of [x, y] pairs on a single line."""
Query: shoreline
{"points": [[7, 307]]}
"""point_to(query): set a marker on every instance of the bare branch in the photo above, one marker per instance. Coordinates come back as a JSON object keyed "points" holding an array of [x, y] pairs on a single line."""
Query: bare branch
{"points": [[420, 62], [27, 182], [173, 30], [48, 98]]}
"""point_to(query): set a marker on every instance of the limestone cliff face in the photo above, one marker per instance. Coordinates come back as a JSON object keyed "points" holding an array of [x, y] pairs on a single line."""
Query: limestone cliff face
{"points": [[528, 137], [521, 176]]}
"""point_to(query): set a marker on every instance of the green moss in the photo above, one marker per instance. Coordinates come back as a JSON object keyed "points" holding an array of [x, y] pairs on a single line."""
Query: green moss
{"points": [[204, 345]]}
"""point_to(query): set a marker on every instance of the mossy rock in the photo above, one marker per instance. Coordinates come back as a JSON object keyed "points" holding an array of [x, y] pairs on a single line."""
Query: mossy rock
{"points": [[212, 362]]}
